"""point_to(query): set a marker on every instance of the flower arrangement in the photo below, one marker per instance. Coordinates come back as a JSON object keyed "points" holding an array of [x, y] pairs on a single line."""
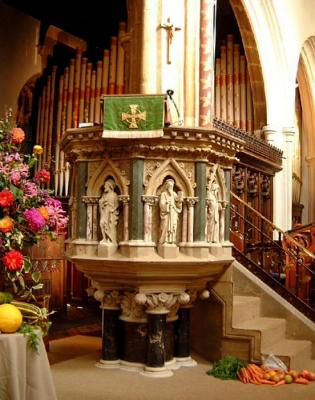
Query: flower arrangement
{"points": [[27, 210]]}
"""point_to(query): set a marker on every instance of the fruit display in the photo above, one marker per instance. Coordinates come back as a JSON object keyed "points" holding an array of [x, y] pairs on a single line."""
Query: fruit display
{"points": [[276, 377], [10, 318]]}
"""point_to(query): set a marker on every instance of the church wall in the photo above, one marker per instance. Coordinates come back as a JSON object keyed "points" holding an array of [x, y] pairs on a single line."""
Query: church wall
{"points": [[19, 58]]}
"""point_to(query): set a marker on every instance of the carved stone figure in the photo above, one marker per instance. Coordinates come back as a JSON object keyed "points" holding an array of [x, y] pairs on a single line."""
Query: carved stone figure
{"points": [[213, 212], [108, 205], [170, 204]]}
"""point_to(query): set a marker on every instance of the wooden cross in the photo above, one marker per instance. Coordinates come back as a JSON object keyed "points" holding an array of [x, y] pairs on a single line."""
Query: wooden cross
{"points": [[135, 114], [170, 30]]}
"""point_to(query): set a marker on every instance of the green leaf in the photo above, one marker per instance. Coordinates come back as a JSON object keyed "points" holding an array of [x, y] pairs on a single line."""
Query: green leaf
{"points": [[27, 264], [38, 286], [36, 276], [21, 281]]}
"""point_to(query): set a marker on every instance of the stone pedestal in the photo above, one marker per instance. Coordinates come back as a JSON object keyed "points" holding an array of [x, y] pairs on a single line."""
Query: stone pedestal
{"points": [[195, 249], [106, 250], [168, 250], [137, 248]]}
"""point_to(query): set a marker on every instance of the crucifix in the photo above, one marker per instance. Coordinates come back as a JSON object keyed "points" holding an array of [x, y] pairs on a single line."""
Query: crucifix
{"points": [[170, 31]]}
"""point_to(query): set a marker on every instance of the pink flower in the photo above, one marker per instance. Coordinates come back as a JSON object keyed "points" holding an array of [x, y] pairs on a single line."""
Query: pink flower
{"points": [[57, 216], [34, 220], [15, 177], [30, 189], [6, 198]]}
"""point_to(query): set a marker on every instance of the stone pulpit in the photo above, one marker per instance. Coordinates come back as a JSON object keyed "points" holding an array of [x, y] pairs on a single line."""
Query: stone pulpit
{"points": [[150, 228]]}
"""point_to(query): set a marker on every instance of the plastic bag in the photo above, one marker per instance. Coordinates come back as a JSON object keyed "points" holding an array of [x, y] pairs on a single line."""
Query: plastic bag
{"points": [[273, 362]]}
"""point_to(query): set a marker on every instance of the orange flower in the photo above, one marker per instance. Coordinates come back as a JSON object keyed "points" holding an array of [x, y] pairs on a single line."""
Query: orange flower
{"points": [[44, 212], [37, 149], [18, 135], [6, 224]]}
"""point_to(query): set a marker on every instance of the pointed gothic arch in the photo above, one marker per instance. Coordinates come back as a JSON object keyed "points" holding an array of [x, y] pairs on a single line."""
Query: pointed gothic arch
{"points": [[253, 63], [170, 168], [306, 79], [107, 168]]}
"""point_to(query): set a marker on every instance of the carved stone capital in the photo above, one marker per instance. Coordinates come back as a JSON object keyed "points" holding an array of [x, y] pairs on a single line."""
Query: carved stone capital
{"points": [[162, 303], [90, 199], [130, 310], [191, 201], [109, 299], [151, 200], [124, 198]]}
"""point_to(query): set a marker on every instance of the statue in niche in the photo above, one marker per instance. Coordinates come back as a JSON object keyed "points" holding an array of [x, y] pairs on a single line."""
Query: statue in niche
{"points": [[108, 206], [213, 211], [170, 204]]}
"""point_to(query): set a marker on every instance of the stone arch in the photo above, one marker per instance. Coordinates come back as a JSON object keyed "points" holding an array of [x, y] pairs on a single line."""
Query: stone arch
{"points": [[107, 168], [253, 63], [169, 168], [306, 79]]}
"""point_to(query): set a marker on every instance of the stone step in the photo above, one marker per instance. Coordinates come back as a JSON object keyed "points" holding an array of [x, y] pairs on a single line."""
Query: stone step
{"points": [[272, 329], [245, 308], [296, 354]]}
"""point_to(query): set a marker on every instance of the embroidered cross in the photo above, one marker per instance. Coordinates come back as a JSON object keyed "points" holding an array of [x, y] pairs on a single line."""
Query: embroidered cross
{"points": [[135, 114]]}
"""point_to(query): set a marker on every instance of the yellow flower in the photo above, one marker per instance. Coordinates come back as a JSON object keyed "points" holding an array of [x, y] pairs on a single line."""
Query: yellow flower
{"points": [[6, 224], [37, 149]]}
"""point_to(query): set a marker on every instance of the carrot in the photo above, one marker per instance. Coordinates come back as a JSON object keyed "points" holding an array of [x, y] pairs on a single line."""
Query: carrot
{"points": [[266, 382], [280, 383], [303, 381]]}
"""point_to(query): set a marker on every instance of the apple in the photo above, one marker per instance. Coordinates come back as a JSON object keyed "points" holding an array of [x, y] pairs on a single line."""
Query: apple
{"points": [[288, 378]]}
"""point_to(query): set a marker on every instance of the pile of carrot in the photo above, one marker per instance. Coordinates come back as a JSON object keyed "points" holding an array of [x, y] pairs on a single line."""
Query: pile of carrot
{"points": [[261, 375]]}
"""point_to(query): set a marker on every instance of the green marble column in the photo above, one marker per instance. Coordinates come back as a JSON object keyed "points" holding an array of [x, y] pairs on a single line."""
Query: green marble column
{"points": [[227, 175], [136, 231], [200, 207], [81, 180]]}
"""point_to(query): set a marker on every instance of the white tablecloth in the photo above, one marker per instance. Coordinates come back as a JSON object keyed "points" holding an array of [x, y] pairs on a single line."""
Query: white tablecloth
{"points": [[24, 373]]}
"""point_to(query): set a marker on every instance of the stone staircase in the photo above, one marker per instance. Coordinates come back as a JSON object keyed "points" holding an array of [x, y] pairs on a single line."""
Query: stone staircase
{"points": [[283, 332]]}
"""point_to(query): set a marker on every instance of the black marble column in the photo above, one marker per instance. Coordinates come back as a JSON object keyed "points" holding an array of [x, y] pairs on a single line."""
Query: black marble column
{"points": [[156, 340], [182, 333], [110, 346]]}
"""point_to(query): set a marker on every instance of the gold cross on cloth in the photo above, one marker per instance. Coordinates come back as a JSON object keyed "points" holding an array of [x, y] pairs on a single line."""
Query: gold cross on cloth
{"points": [[170, 31], [135, 114]]}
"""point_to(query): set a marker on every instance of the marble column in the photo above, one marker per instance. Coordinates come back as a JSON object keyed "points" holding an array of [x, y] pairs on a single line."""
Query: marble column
{"points": [[110, 305], [182, 333], [81, 180], [125, 202], [185, 222], [149, 202], [158, 305], [206, 69], [136, 205], [191, 201], [91, 203], [200, 214], [288, 133], [148, 75], [226, 206]]}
